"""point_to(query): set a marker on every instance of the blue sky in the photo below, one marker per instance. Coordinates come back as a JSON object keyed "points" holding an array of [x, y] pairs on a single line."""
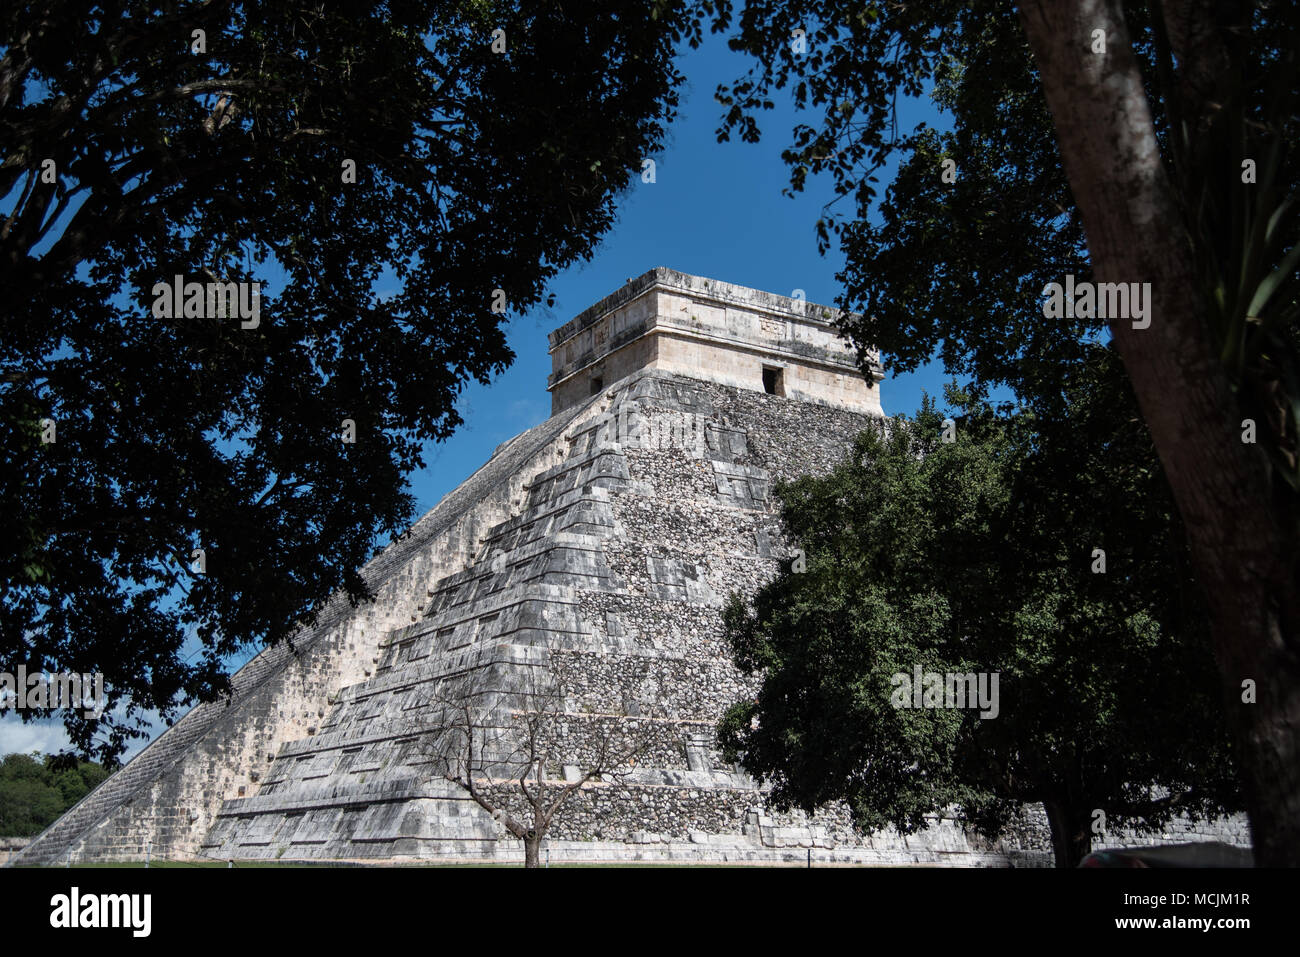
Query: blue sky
{"points": [[715, 210]]}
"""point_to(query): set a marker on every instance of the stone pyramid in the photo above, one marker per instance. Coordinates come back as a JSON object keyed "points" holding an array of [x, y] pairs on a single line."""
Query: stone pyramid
{"points": [[600, 544]]}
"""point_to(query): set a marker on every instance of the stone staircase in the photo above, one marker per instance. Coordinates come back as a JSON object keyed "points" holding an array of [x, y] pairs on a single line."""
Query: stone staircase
{"points": [[59, 842], [352, 788]]}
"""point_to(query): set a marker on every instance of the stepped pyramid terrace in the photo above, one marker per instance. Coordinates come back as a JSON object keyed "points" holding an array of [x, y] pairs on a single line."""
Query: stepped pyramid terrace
{"points": [[600, 545]]}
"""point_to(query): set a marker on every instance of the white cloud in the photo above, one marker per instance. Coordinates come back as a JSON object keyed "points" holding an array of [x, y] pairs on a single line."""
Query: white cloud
{"points": [[49, 736], [19, 738]]}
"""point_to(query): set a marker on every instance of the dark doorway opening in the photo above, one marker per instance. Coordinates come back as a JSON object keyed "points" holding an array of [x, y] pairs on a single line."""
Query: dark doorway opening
{"points": [[772, 381], [597, 384]]}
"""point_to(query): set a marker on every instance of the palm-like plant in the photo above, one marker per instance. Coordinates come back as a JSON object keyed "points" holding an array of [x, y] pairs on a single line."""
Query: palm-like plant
{"points": [[1243, 223]]}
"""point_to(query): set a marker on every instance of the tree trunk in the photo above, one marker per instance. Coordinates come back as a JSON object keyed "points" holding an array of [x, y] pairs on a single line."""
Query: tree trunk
{"points": [[1071, 840], [1239, 521], [532, 848]]}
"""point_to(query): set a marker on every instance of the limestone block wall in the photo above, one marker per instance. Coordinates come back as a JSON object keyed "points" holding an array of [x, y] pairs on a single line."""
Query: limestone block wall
{"points": [[640, 353], [802, 377], [708, 330], [9, 846]]}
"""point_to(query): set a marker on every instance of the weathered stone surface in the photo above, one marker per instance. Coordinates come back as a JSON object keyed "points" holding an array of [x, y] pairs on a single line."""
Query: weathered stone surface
{"points": [[674, 322], [605, 541], [9, 846]]}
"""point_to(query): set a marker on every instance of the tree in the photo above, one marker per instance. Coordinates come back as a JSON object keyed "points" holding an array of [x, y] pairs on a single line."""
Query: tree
{"points": [[1202, 370], [36, 789], [513, 741], [1109, 140], [402, 177], [997, 555]]}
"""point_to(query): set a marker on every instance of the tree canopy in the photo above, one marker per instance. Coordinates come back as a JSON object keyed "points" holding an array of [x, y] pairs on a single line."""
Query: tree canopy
{"points": [[954, 266], [35, 789], [403, 176], [1112, 141], [997, 553]]}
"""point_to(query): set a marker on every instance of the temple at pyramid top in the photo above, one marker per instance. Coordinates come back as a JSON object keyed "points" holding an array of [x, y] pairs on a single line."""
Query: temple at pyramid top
{"points": [[710, 330]]}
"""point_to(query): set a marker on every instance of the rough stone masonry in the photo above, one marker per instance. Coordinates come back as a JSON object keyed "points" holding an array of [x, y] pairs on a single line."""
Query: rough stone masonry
{"points": [[601, 544]]}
